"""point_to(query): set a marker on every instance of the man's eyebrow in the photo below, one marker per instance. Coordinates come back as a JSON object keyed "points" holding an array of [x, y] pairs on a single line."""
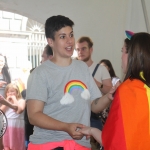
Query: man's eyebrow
{"points": [[84, 47], [62, 34], [65, 33]]}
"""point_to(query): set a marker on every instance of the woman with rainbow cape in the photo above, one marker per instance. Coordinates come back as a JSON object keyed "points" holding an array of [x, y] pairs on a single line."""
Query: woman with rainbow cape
{"points": [[128, 124]]}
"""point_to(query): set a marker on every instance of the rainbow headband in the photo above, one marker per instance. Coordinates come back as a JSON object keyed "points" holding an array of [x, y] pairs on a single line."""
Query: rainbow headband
{"points": [[129, 34], [74, 85]]}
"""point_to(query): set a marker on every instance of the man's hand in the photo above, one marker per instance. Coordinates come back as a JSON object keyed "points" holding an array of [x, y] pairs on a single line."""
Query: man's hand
{"points": [[73, 130]]}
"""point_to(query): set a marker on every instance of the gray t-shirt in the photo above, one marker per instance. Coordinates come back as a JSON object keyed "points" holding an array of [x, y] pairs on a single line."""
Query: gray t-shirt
{"points": [[67, 93]]}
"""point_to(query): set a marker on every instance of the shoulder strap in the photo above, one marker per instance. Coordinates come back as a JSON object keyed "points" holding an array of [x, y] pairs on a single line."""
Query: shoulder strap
{"points": [[93, 74]]}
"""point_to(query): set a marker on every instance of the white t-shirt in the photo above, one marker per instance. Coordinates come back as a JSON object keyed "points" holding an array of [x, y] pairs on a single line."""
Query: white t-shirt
{"points": [[101, 73], [115, 80]]}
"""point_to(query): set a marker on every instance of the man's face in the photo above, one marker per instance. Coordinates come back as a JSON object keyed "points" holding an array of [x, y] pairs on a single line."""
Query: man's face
{"points": [[45, 56], [63, 43], [83, 51]]}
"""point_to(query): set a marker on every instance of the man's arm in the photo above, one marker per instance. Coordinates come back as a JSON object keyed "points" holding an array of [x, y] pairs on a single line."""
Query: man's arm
{"points": [[101, 103], [105, 86], [38, 118]]}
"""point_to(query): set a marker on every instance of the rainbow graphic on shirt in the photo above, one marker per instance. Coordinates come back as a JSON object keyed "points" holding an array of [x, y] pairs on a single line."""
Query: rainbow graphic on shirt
{"points": [[72, 86]]}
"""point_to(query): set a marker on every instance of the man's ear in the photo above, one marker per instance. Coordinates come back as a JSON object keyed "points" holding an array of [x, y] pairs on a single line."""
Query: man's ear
{"points": [[50, 42], [91, 50]]}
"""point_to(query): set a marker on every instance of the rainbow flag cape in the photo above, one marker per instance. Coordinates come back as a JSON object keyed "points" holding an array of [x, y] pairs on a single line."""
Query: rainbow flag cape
{"points": [[128, 124]]}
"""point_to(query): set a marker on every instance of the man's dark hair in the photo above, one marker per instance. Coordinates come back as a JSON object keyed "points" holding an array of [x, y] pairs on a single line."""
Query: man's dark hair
{"points": [[48, 50], [55, 23]]}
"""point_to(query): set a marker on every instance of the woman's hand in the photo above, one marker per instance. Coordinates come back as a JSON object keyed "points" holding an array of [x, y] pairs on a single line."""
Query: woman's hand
{"points": [[86, 130], [90, 131]]}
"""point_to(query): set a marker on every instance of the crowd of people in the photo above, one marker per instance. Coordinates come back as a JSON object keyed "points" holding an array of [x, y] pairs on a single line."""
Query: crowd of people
{"points": [[78, 104]]}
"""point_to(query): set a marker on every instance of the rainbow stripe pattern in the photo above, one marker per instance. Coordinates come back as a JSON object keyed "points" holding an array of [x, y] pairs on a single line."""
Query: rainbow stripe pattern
{"points": [[74, 85], [128, 124]]}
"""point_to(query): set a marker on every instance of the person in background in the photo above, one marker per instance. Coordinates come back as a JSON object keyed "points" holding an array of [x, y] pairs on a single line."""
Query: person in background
{"points": [[114, 79], [128, 120], [5, 77], [25, 72], [84, 49], [21, 74], [115, 82], [3, 101], [28, 126], [61, 93], [47, 53], [13, 139]]}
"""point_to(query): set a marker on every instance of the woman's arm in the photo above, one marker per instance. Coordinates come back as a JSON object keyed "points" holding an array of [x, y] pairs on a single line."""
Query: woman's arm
{"points": [[90, 131]]}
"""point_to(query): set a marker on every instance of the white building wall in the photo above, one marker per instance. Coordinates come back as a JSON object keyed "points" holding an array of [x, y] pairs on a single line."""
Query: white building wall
{"points": [[103, 20]]}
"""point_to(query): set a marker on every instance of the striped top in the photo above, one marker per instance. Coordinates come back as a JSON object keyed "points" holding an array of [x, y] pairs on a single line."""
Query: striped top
{"points": [[128, 124]]}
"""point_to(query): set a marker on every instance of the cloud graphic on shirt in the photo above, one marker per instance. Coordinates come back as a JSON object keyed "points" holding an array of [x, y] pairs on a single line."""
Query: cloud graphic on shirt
{"points": [[67, 99], [85, 94]]}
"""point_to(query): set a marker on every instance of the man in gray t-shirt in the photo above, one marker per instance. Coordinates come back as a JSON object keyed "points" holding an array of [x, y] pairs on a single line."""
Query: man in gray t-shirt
{"points": [[61, 93], [66, 99]]}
